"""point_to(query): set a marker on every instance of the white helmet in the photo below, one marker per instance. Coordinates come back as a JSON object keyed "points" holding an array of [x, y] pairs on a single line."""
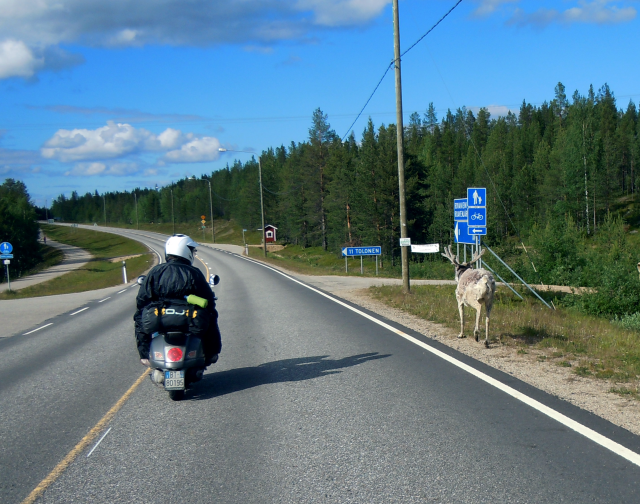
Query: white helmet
{"points": [[181, 246]]}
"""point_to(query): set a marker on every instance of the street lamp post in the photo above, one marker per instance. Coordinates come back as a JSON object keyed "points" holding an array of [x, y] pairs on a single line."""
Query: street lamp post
{"points": [[264, 238], [213, 232], [173, 220], [135, 198], [104, 202]]}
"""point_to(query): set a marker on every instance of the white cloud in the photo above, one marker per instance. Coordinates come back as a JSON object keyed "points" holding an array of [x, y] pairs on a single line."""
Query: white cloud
{"points": [[494, 110], [42, 25], [97, 168], [17, 60], [111, 141], [90, 148], [18, 161], [196, 151], [343, 12], [588, 12], [172, 138], [488, 7]]}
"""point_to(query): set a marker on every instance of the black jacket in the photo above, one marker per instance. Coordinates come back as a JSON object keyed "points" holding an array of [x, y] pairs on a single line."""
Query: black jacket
{"points": [[172, 280]]}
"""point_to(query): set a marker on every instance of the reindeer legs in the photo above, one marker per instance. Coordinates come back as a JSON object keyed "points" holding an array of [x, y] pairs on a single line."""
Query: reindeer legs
{"points": [[461, 310]]}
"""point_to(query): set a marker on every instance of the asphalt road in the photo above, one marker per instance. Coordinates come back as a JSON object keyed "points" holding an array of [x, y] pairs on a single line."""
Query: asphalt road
{"points": [[310, 402]]}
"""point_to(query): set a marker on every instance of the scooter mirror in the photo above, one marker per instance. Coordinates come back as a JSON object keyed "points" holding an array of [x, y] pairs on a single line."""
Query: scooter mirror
{"points": [[141, 279], [214, 280]]}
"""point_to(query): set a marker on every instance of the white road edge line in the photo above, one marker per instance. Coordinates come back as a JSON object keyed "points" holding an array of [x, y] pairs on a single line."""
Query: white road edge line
{"points": [[42, 327], [85, 308], [104, 299], [594, 436], [99, 441]]}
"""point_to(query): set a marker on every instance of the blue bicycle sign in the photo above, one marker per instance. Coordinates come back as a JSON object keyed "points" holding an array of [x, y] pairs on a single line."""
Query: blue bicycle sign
{"points": [[477, 217]]}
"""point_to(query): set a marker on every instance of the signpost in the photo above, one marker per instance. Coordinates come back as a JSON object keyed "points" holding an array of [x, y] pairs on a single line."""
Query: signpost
{"points": [[477, 214], [470, 218], [361, 252], [203, 225], [5, 253], [461, 233], [460, 210], [432, 248]]}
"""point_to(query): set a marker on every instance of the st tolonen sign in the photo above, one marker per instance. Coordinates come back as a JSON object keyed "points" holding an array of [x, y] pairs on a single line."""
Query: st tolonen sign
{"points": [[361, 251]]}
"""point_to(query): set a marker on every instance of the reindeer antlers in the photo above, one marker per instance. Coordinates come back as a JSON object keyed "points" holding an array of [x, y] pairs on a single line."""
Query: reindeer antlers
{"points": [[449, 255], [476, 257], [454, 259]]}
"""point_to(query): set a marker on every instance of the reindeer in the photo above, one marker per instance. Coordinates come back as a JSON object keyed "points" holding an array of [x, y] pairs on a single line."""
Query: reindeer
{"points": [[475, 288]]}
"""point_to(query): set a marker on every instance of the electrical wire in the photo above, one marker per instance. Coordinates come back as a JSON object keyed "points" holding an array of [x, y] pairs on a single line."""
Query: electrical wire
{"points": [[393, 62], [281, 193]]}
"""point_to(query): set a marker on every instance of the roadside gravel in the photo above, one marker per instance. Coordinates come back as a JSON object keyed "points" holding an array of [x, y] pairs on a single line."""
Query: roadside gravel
{"points": [[587, 393]]}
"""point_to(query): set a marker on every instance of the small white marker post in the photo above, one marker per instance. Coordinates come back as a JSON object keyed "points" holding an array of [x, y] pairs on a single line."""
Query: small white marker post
{"points": [[6, 263], [124, 271]]}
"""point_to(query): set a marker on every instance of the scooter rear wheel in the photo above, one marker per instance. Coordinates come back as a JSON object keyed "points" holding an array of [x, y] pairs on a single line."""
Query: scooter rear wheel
{"points": [[176, 395]]}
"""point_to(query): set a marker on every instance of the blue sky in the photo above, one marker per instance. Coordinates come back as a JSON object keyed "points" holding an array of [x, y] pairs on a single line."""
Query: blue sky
{"points": [[115, 95]]}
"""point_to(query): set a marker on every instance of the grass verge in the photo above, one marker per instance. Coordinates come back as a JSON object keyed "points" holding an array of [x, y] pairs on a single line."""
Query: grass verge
{"points": [[306, 261], [315, 261], [98, 273], [590, 346]]}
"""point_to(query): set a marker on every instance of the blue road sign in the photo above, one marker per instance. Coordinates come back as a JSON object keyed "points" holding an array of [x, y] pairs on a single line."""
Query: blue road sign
{"points": [[477, 217], [6, 256], [6, 248], [476, 197], [460, 210], [361, 251], [477, 231], [462, 235]]}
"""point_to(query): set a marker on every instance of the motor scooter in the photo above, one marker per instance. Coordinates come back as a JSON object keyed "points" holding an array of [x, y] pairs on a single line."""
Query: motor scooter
{"points": [[177, 359]]}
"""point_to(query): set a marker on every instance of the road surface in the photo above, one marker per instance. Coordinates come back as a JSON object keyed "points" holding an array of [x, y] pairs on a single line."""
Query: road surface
{"points": [[313, 400]]}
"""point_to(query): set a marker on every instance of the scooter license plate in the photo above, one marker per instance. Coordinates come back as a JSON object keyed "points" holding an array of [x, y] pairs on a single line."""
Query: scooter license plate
{"points": [[174, 380]]}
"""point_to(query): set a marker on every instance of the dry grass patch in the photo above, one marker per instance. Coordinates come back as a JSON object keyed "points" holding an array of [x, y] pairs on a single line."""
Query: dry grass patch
{"points": [[590, 346]]}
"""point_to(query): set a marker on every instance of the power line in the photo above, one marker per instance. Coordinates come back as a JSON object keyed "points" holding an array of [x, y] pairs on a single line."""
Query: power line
{"points": [[393, 62]]}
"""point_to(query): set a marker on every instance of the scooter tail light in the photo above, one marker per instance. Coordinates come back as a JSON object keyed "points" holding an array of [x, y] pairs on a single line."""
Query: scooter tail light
{"points": [[174, 354]]}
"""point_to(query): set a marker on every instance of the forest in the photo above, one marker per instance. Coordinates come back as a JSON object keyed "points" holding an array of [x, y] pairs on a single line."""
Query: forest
{"points": [[555, 174], [18, 226]]}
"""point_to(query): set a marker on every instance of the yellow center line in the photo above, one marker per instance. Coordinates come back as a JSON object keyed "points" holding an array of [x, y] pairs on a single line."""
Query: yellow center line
{"points": [[205, 266], [91, 435]]}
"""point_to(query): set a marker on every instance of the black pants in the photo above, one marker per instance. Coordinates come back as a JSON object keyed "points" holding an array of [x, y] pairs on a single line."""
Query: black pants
{"points": [[212, 342]]}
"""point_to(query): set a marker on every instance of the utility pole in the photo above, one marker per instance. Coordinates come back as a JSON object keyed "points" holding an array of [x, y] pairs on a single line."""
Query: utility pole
{"points": [[104, 203], [264, 235], [406, 288]]}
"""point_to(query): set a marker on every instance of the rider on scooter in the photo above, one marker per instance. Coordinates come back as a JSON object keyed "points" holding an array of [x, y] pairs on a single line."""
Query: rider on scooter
{"points": [[175, 279]]}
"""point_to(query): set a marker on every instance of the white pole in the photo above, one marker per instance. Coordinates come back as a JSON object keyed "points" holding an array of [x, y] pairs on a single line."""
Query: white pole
{"points": [[124, 271]]}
